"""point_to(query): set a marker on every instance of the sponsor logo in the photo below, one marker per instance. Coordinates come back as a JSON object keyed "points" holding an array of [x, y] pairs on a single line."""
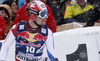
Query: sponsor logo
{"points": [[21, 27], [30, 44], [31, 38]]}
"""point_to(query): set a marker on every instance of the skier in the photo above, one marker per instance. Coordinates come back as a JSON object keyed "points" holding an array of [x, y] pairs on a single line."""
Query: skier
{"points": [[31, 36]]}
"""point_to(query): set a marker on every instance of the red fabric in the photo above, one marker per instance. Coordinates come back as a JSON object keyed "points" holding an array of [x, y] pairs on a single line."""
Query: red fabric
{"points": [[22, 15], [50, 20], [17, 60], [98, 21], [63, 13], [14, 30], [25, 1], [2, 26]]}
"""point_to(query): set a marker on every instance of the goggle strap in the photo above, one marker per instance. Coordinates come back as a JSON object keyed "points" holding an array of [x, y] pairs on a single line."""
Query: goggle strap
{"points": [[36, 23], [31, 11]]}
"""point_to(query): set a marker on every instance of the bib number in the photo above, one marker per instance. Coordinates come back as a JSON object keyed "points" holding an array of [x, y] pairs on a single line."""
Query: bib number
{"points": [[30, 49]]}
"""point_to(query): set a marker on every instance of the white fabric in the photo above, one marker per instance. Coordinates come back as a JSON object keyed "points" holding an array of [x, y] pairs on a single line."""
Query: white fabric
{"points": [[5, 47], [50, 44]]}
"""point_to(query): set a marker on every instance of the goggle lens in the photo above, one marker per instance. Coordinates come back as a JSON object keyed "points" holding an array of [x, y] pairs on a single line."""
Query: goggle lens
{"points": [[43, 14]]}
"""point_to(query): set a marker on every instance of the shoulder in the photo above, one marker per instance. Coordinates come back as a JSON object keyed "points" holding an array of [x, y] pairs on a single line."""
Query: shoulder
{"points": [[71, 5], [49, 31], [17, 24], [90, 6], [22, 22], [14, 26]]}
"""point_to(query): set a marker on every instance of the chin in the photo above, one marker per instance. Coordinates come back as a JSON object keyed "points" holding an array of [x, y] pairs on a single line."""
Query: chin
{"points": [[43, 24]]}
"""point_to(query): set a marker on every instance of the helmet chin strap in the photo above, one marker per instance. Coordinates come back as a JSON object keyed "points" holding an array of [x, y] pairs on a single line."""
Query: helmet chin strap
{"points": [[37, 24]]}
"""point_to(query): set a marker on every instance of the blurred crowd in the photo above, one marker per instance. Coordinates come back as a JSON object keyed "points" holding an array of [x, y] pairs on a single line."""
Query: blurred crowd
{"points": [[59, 12]]}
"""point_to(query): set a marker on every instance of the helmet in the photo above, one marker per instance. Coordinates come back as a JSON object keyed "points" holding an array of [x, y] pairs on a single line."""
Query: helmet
{"points": [[7, 9], [27, 1], [37, 8]]}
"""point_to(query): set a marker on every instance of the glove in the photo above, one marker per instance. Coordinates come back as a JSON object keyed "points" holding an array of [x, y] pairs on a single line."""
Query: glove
{"points": [[85, 26]]}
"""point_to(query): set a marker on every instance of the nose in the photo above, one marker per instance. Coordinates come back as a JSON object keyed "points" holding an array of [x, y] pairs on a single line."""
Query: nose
{"points": [[44, 18]]}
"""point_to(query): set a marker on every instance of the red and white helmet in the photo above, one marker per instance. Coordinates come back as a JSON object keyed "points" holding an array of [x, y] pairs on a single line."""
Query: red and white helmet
{"points": [[37, 8]]}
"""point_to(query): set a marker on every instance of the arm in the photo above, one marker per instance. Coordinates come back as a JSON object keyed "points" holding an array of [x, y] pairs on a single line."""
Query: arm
{"points": [[95, 16], [6, 45], [50, 46]]}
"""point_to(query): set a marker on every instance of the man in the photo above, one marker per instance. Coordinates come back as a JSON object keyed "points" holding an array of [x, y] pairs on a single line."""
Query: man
{"points": [[79, 11], [31, 36], [22, 15]]}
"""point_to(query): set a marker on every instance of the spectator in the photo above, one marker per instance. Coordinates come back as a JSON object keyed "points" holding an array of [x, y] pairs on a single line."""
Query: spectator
{"points": [[5, 12], [96, 13], [57, 12], [63, 6], [30, 38], [78, 12], [22, 15], [13, 5], [2, 27]]}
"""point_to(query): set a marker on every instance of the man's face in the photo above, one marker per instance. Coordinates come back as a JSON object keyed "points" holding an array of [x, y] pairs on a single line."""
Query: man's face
{"points": [[39, 20], [80, 2]]}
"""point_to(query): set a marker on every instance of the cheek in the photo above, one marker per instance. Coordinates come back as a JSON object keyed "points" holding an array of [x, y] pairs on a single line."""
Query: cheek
{"points": [[0, 13], [3, 14]]}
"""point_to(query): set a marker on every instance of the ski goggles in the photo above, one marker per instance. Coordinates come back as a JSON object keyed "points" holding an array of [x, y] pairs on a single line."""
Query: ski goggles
{"points": [[41, 14]]}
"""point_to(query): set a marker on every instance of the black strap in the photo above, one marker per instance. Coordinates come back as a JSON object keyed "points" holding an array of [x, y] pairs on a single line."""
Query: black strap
{"points": [[37, 24], [31, 11]]}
